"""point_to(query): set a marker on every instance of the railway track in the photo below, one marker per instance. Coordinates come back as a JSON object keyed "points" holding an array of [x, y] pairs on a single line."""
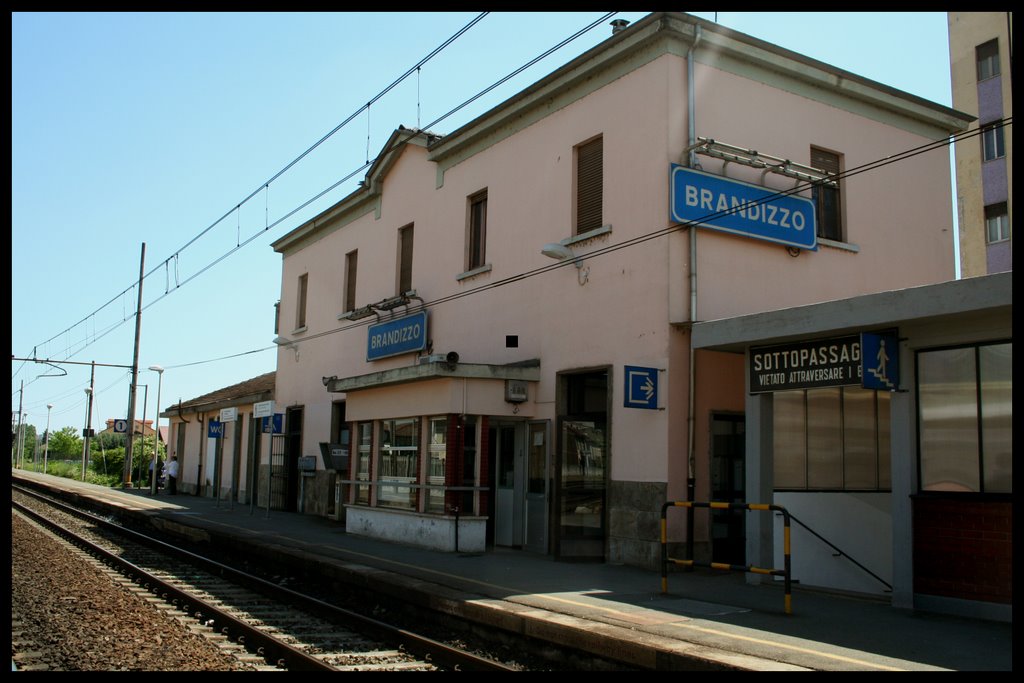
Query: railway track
{"points": [[262, 624]]}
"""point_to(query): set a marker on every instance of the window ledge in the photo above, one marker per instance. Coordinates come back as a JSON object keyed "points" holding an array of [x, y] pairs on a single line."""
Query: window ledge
{"points": [[845, 246], [590, 234], [299, 330], [486, 268]]}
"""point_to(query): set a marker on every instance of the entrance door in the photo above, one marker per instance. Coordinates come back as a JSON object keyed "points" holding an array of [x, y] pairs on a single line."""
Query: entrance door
{"points": [[510, 484], [293, 450], [728, 485], [583, 467], [537, 478]]}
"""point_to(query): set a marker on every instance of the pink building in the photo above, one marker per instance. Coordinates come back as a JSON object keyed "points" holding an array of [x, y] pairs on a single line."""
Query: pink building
{"points": [[494, 331]]}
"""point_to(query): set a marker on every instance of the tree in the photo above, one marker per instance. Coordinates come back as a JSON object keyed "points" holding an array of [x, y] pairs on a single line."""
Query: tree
{"points": [[65, 444]]}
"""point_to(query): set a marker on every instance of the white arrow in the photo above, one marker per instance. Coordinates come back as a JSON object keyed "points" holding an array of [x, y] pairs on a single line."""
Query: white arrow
{"points": [[648, 388]]}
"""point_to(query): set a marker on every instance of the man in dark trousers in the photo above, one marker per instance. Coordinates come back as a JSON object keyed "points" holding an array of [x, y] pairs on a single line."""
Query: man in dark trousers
{"points": [[172, 475]]}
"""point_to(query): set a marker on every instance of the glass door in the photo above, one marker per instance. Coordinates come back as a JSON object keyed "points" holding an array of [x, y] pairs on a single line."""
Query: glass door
{"points": [[537, 486], [509, 485], [582, 469]]}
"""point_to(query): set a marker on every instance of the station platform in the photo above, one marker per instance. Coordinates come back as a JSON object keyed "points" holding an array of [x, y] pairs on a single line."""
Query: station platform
{"points": [[708, 619]]}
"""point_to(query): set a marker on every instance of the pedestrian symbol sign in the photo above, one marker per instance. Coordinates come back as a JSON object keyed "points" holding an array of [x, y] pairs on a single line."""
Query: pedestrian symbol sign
{"points": [[641, 389], [880, 361]]}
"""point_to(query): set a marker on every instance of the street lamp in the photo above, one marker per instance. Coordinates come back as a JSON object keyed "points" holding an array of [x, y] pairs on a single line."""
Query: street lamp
{"points": [[46, 443], [156, 445], [85, 432]]}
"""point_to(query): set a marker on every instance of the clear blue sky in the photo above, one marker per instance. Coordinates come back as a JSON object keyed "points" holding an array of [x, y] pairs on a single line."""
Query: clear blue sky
{"points": [[145, 127]]}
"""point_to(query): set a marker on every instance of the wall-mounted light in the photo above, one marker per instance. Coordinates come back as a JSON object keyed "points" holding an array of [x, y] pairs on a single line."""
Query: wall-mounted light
{"points": [[359, 313], [560, 252], [288, 344]]}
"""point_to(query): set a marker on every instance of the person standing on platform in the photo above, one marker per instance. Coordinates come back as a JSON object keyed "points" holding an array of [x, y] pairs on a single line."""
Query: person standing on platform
{"points": [[172, 475]]}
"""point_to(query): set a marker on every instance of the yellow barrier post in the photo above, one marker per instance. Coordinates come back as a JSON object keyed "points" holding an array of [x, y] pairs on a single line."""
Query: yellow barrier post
{"points": [[784, 572]]}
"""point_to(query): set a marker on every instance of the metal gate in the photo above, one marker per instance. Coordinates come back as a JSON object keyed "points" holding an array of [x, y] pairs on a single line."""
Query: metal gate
{"points": [[278, 472]]}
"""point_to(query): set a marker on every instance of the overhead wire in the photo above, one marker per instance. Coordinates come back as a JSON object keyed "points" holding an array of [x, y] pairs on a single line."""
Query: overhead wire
{"points": [[662, 232], [526, 274], [266, 185], [369, 162]]}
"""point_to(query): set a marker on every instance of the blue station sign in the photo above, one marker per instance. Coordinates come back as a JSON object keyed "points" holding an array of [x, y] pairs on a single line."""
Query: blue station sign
{"points": [[273, 424], [740, 208], [395, 337]]}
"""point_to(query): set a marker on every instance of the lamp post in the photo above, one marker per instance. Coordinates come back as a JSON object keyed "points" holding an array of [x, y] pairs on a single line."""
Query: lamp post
{"points": [[85, 432], [156, 445], [46, 443]]}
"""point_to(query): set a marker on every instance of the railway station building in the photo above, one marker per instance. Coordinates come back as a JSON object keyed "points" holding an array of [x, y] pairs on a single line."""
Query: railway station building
{"points": [[495, 340]]}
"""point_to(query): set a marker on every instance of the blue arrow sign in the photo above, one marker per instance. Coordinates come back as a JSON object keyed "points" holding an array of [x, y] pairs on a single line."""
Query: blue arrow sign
{"points": [[641, 388]]}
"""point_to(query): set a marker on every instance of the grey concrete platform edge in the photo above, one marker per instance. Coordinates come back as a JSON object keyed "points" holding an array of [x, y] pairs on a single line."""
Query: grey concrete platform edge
{"points": [[297, 540]]}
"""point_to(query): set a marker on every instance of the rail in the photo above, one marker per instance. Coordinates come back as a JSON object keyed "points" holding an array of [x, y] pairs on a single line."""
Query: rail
{"points": [[761, 507]]}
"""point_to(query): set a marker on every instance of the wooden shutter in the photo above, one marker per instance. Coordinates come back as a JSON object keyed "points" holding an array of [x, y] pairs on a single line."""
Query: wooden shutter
{"points": [[477, 229], [351, 264], [589, 185], [826, 197], [300, 318], [405, 236]]}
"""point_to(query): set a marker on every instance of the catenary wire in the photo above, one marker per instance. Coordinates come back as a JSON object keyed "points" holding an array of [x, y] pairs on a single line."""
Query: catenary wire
{"points": [[661, 232], [864, 168], [277, 175], [396, 143]]}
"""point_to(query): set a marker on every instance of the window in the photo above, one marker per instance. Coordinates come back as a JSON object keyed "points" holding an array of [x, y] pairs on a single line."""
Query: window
{"points": [[469, 499], [826, 197], [405, 236], [988, 59], [831, 439], [589, 185], [992, 142], [436, 460], [399, 463], [965, 416], [997, 223], [477, 238], [363, 456], [300, 310], [351, 263]]}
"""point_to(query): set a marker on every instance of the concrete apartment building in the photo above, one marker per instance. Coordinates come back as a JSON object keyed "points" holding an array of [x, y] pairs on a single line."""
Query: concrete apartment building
{"points": [[981, 69]]}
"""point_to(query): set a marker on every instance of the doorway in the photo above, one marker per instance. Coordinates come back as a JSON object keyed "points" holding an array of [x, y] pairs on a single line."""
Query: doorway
{"points": [[728, 485], [506, 443], [293, 450], [582, 467], [520, 465]]}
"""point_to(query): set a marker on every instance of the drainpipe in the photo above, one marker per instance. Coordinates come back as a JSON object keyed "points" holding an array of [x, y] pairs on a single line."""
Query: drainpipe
{"points": [[691, 476]]}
